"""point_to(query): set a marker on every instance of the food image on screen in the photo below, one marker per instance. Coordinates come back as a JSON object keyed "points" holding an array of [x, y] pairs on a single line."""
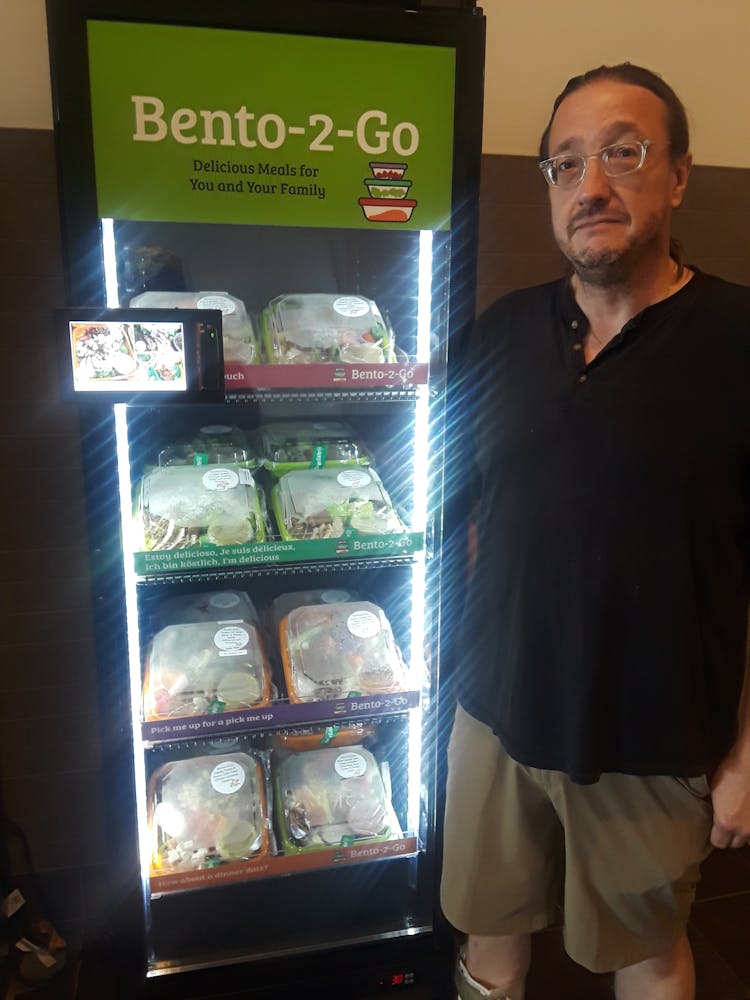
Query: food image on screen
{"points": [[142, 357]]}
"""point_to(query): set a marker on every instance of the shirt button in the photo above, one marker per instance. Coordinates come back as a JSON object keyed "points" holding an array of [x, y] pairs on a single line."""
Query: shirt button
{"points": [[582, 378], [577, 346], [574, 325]]}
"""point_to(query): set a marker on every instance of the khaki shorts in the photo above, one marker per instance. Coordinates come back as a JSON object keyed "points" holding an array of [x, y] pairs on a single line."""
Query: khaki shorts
{"points": [[619, 856]]}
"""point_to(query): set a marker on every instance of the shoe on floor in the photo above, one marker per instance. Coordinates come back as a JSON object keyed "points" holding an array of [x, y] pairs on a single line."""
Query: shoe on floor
{"points": [[469, 989]]}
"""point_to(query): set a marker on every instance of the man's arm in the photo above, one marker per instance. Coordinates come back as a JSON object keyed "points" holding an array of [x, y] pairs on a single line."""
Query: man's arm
{"points": [[730, 787]]}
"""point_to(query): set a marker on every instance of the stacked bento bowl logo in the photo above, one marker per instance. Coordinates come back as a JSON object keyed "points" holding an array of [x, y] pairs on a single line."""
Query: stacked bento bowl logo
{"points": [[388, 191]]}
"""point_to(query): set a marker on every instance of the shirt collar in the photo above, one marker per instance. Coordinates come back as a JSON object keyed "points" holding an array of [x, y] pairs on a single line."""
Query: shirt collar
{"points": [[576, 323]]}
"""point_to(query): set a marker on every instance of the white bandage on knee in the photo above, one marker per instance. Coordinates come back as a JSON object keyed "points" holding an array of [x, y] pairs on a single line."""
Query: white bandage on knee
{"points": [[470, 989]]}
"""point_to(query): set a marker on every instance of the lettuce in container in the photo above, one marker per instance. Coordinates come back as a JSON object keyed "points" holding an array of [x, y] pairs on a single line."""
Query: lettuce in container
{"points": [[332, 798], [207, 811], [287, 445], [321, 503], [205, 668], [318, 327], [187, 506], [330, 651]]}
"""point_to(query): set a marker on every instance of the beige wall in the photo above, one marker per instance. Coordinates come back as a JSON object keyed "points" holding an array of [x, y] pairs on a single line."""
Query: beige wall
{"points": [[701, 48], [25, 100], [533, 47]]}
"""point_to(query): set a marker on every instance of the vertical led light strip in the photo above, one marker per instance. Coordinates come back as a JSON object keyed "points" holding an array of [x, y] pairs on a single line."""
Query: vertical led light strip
{"points": [[110, 263], [419, 521], [134, 646]]}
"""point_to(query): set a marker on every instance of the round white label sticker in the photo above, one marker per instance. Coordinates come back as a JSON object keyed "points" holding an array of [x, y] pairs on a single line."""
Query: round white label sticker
{"points": [[353, 477], [227, 777], [216, 302], [224, 600], [220, 479], [363, 624], [350, 765], [231, 637], [351, 306], [334, 596]]}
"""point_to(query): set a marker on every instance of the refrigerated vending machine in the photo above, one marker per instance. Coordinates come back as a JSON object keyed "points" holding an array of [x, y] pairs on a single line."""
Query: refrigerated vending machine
{"points": [[269, 220]]}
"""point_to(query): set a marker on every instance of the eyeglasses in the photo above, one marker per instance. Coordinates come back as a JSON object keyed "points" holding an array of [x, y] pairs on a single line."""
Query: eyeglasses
{"points": [[569, 169]]}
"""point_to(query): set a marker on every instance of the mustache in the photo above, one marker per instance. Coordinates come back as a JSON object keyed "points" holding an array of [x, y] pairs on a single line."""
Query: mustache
{"points": [[594, 215]]}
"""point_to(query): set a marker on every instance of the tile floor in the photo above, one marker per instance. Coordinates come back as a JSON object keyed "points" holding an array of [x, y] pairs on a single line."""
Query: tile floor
{"points": [[719, 931]]}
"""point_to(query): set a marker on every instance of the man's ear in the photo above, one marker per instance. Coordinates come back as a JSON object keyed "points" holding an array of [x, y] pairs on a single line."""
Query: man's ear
{"points": [[681, 168]]}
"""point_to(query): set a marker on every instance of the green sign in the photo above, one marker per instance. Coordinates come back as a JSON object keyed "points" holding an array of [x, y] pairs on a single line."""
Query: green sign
{"points": [[214, 125], [351, 545]]}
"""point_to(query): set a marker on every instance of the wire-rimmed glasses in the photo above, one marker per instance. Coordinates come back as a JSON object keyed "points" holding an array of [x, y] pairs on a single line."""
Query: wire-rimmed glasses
{"points": [[568, 169]]}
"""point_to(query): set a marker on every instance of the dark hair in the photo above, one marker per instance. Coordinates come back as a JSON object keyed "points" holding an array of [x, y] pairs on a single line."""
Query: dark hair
{"points": [[677, 123]]}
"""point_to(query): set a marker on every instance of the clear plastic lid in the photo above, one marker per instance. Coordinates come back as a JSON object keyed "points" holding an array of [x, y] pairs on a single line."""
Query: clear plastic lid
{"points": [[284, 603], [330, 651], [318, 327], [320, 503], [207, 810], [296, 444], [238, 333], [184, 506], [209, 606], [203, 668], [332, 797], [214, 444]]}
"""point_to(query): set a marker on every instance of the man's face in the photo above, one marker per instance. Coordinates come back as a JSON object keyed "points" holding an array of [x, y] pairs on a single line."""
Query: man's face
{"points": [[607, 224]]}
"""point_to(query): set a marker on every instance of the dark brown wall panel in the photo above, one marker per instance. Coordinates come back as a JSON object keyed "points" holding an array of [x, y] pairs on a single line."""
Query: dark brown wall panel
{"points": [[50, 761]]}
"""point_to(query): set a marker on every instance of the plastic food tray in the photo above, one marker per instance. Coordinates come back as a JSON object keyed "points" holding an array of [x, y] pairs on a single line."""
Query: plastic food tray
{"points": [[331, 651], [206, 811]]}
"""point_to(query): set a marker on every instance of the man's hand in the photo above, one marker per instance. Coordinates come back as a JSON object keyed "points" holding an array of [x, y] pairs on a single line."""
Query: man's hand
{"points": [[730, 794]]}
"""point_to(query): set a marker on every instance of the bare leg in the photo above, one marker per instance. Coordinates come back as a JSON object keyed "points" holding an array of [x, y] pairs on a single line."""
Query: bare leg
{"points": [[669, 976], [499, 962]]}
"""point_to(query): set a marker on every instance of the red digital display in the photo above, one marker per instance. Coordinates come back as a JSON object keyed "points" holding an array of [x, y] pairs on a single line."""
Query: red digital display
{"points": [[395, 979]]}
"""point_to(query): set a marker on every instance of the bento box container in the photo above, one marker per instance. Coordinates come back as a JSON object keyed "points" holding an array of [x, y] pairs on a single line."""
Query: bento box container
{"points": [[206, 811], [318, 327], [332, 651], [387, 209], [238, 333], [316, 737], [321, 503], [391, 189], [331, 797], [287, 445], [388, 171], [204, 668], [186, 506], [212, 444]]}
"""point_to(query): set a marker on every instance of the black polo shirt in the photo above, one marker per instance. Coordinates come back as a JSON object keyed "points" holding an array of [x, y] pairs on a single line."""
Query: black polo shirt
{"points": [[605, 623]]}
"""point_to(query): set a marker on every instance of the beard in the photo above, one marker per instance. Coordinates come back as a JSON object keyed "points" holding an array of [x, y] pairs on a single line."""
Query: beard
{"points": [[603, 268], [609, 264]]}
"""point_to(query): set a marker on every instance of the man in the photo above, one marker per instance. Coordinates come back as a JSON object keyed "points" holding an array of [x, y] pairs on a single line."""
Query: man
{"points": [[596, 749]]}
